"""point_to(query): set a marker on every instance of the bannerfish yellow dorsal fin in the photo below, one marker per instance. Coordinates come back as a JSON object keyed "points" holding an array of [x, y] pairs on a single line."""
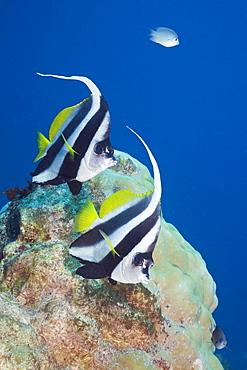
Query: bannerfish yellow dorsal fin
{"points": [[86, 216], [118, 199], [109, 243], [61, 118], [72, 152], [42, 143], [59, 121]]}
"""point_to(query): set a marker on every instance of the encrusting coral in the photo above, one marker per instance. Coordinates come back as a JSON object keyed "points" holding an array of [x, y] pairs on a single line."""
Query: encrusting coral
{"points": [[53, 319]]}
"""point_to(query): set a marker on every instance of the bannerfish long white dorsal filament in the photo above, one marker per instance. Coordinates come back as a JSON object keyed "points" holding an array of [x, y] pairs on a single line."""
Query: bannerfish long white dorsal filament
{"points": [[130, 223], [78, 147]]}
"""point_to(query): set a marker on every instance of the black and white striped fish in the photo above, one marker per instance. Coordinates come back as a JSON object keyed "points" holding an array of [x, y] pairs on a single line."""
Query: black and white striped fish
{"points": [[78, 147], [118, 243]]}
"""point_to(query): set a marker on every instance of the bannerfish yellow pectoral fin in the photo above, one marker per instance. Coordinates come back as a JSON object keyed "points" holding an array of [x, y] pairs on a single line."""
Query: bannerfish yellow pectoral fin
{"points": [[62, 117], [42, 143], [86, 216], [72, 152], [118, 199], [109, 243]]}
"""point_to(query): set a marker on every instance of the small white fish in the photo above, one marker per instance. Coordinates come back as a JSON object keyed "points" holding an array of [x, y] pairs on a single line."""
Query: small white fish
{"points": [[165, 37]]}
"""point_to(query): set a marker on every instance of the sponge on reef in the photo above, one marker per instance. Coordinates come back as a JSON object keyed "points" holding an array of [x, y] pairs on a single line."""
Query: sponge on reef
{"points": [[50, 318]]}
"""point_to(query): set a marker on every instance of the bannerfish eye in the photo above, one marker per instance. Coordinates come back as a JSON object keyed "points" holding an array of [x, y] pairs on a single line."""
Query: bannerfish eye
{"points": [[98, 149], [176, 39], [138, 261]]}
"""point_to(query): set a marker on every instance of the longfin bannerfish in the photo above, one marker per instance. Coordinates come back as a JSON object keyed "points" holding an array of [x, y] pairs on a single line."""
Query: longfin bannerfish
{"points": [[219, 338], [78, 147], [131, 225]]}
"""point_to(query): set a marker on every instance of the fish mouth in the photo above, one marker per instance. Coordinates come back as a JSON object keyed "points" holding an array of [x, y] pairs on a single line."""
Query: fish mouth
{"points": [[112, 160], [145, 279]]}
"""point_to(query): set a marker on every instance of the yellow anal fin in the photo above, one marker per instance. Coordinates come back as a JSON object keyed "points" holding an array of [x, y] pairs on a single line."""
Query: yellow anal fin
{"points": [[118, 199], [42, 143], [72, 152], [109, 243], [86, 216]]}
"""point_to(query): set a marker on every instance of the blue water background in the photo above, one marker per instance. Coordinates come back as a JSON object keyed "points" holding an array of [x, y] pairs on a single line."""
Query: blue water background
{"points": [[187, 102]]}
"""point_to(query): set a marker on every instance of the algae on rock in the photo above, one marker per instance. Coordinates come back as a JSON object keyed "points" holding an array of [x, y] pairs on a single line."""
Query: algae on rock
{"points": [[53, 319]]}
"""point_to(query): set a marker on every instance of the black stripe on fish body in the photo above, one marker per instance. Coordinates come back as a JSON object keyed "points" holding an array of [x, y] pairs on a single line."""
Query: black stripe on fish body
{"points": [[88, 239], [68, 172], [131, 236], [130, 241], [134, 268], [58, 144], [93, 237], [126, 245], [69, 168], [92, 270], [86, 135]]}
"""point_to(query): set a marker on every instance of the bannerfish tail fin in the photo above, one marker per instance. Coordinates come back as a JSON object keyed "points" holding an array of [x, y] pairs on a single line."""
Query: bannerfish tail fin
{"points": [[109, 243], [86, 216], [72, 152], [92, 87], [75, 186], [117, 200], [42, 143], [92, 270], [157, 179]]}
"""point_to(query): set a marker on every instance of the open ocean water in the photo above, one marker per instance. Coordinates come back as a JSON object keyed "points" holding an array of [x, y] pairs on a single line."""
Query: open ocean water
{"points": [[188, 102]]}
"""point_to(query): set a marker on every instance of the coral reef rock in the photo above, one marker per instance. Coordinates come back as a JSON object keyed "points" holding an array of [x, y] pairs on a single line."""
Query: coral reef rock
{"points": [[52, 318]]}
